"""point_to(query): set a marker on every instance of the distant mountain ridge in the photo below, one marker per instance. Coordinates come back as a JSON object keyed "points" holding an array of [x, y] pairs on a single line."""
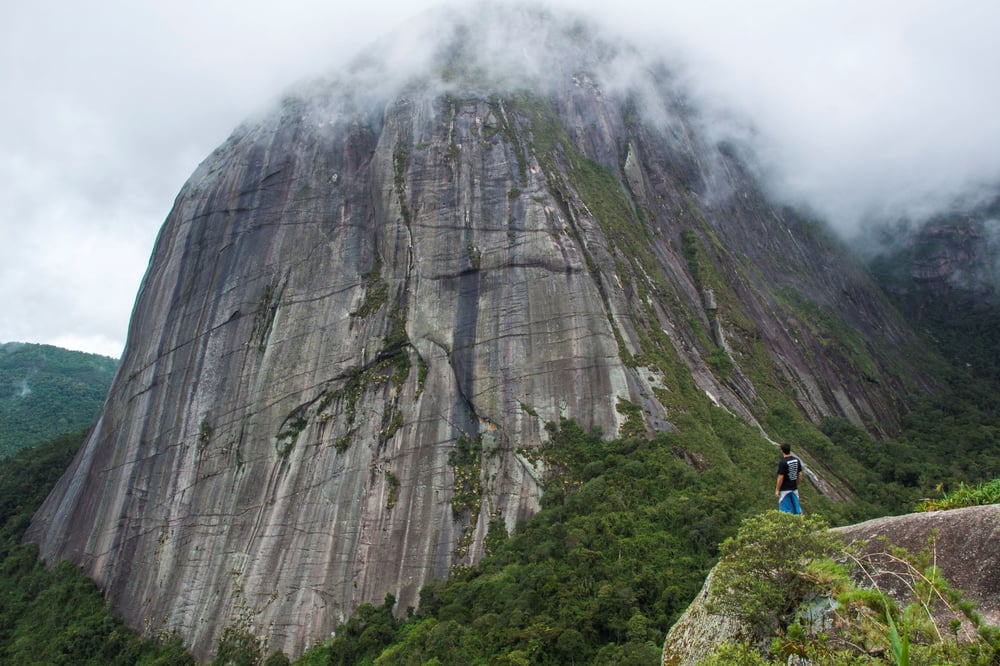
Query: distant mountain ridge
{"points": [[48, 391]]}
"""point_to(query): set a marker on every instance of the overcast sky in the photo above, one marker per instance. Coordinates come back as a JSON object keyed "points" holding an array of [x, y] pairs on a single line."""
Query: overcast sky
{"points": [[860, 107]]}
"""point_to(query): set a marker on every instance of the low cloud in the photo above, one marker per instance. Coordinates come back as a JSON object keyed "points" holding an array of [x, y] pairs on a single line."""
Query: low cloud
{"points": [[861, 111], [857, 110]]}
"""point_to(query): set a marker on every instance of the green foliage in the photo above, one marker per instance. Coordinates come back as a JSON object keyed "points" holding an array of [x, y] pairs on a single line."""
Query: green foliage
{"points": [[627, 531], [900, 644], [391, 366], [46, 392], [57, 616], [237, 647], [693, 254], [293, 426], [466, 462], [760, 576], [977, 495], [950, 440], [393, 482], [399, 157], [263, 316], [842, 605], [278, 658], [204, 435], [422, 370], [359, 640], [720, 362], [634, 425], [376, 291], [953, 435], [27, 477], [496, 535], [735, 654]]}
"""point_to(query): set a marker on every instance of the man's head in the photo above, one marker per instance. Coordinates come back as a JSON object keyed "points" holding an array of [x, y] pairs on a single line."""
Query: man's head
{"points": [[786, 449]]}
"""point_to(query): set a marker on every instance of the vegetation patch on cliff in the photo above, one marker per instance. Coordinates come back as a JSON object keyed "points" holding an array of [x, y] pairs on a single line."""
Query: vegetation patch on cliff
{"points": [[391, 368], [263, 316], [963, 496], [376, 291], [467, 495]]}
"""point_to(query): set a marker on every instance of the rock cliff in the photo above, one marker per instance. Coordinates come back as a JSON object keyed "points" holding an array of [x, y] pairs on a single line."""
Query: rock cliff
{"points": [[362, 311]]}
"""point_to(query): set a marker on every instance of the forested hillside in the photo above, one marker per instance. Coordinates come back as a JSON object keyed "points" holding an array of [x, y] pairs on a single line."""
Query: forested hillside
{"points": [[47, 391]]}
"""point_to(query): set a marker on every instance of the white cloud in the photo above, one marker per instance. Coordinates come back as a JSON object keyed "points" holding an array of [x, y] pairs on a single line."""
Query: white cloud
{"points": [[858, 107]]}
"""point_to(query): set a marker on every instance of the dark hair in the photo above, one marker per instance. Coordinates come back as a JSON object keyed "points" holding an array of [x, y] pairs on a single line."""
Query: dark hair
{"points": [[785, 448]]}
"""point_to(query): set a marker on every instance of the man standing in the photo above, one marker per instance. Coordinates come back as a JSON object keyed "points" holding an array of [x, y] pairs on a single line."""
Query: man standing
{"points": [[787, 487]]}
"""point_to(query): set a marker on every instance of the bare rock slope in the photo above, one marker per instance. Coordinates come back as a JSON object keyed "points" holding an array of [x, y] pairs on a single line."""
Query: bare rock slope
{"points": [[360, 314]]}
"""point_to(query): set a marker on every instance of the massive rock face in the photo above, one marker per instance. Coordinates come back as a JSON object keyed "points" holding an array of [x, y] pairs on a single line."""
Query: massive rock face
{"points": [[358, 319]]}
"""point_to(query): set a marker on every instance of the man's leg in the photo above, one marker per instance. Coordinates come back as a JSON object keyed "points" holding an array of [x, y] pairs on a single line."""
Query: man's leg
{"points": [[789, 502]]}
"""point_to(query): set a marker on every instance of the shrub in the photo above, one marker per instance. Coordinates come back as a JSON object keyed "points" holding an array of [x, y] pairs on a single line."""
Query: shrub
{"points": [[760, 578], [978, 495], [869, 601]]}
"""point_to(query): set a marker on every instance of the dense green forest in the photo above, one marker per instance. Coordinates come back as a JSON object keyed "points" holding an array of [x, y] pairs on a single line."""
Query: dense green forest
{"points": [[46, 391]]}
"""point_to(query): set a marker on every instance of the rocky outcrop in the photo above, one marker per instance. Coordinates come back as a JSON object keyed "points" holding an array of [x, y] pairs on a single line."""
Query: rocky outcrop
{"points": [[965, 547], [699, 631], [360, 314]]}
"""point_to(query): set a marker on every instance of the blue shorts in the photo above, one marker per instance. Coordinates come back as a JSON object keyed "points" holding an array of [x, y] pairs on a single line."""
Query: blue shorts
{"points": [[788, 502]]}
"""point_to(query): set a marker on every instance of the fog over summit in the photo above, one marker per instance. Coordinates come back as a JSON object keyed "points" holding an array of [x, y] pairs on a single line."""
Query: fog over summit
{"points": [[857, 111]]}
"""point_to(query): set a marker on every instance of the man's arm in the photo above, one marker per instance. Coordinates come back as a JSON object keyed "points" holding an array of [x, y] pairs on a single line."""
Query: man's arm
{"points": [[777, 487]]}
